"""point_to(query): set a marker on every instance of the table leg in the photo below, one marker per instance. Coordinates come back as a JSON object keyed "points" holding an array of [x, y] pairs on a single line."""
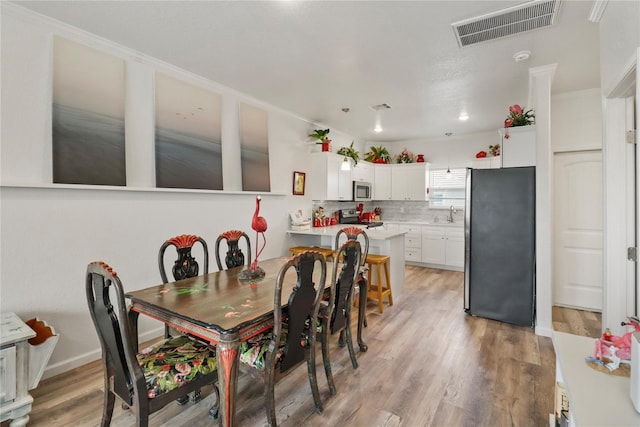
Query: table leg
{"points": [[228, 355], [362, 302]]}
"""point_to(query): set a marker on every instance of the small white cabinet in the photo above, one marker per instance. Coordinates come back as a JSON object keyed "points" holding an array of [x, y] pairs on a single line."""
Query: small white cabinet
{"points": [[363, 172], [15, 403], [494, 162], [409, 181], [328, 181], [382, 182], [443, 245], [519, 149]]}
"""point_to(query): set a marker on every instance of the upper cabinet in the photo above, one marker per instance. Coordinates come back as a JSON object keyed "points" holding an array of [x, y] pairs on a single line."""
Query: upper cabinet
{"points": [[410, 181], [328, 181], [363, 172], [519, 149], [382, 182]]}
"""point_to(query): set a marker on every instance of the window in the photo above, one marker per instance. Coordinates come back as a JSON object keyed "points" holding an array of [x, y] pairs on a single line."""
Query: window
{"points": [[447, 189]]}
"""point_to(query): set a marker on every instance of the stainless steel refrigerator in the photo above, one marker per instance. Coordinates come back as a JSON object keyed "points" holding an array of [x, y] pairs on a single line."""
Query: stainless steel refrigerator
{"points": [[500, 249]]}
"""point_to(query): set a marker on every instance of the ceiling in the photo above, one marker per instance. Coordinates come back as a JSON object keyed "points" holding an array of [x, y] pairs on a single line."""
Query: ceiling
{"points": [[314, 58]]}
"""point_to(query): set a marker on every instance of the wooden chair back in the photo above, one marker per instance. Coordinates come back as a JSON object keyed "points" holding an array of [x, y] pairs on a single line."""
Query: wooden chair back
{"points": [[354, 233], [234, 256], [185, 265]]}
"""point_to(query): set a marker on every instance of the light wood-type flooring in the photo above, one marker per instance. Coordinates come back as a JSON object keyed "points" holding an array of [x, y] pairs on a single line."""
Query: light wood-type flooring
{"points": [[428, 364]]}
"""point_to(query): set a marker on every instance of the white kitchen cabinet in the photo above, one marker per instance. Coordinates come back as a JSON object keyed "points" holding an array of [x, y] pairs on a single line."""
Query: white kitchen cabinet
{"points": [[382, 182], [409, 181], [328, 181], [494, 162], [520, 148], [443, 246], [363, 172], [412, 242]]}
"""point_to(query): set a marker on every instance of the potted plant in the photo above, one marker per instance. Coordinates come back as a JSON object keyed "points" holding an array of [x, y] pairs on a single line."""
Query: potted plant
{"points": [[518, 117], [378, 155], [350, 152], [323, 139], [405, 156]]}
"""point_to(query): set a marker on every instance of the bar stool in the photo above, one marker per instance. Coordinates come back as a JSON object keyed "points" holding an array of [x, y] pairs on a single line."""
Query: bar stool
{"points": [[377, 291], [328, 253]]}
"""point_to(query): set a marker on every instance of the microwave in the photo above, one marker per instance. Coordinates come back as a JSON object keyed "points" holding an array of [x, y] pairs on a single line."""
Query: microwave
{"points": [[362, 191]]}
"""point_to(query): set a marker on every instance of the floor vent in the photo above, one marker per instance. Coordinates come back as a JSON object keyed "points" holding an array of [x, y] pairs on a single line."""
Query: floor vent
{"points": [[506, 22]]}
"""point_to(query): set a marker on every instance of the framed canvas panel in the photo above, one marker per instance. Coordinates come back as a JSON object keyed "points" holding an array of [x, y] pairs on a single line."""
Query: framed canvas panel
{"points": [[88, 138], [298, 183], [188, 149], [254, 148]]}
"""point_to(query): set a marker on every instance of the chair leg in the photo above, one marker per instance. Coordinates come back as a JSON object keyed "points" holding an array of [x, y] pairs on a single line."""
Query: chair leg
{"points": [[325, 358], [352, 353], [388, 277], [107, 408], [269, 395], [380, 302], [196, 396], [313, 380], [214, 411]]}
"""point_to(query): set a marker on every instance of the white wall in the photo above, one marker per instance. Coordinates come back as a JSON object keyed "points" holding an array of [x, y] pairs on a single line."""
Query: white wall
{"points": [[50, 232], [577, 121], [619, 40]]}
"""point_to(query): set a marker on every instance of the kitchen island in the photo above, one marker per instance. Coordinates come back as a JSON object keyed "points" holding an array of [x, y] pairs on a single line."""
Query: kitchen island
{"points": [[381, 241]]}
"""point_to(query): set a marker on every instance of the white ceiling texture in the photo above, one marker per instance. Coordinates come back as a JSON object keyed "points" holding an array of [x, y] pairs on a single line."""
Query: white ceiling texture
{"points": [[314, 58]]}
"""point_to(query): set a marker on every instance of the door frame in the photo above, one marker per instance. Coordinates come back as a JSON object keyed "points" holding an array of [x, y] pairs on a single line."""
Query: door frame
{"points": [[620, 290]]}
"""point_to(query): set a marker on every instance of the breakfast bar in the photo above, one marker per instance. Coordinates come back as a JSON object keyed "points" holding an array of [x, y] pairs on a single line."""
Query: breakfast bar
{"points": [[381, 242]]}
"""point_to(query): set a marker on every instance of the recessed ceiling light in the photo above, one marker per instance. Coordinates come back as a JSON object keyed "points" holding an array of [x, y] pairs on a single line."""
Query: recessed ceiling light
{"points": [[377, 129], [523, 55], [463, 117]]}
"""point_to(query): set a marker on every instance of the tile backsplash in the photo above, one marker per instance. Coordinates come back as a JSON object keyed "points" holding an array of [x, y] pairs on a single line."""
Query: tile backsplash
{"points": [[395, 210]]}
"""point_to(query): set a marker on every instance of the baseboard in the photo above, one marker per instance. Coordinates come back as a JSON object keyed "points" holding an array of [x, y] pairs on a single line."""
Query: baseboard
{"points": [[544, 332], [74, 362]]}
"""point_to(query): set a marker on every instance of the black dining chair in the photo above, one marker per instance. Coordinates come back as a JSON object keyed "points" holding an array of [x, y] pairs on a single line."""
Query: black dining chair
{"points": [[234, 257], [148, 380], [273, 353], [185, 265], [335, 314]]}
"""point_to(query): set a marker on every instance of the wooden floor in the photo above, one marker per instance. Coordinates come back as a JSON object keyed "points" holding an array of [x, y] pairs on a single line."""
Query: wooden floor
{"points": [[428, 364]]}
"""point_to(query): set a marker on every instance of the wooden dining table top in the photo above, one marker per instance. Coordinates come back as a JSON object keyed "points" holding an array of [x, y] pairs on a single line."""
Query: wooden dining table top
{"points": [[221, 300]]}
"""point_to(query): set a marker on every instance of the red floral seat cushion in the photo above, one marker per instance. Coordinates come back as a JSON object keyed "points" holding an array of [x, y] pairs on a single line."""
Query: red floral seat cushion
{"points": [[174, 362]]}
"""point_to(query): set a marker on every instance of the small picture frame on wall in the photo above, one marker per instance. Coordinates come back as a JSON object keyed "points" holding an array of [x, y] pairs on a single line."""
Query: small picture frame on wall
{"points": [[298, 183]]}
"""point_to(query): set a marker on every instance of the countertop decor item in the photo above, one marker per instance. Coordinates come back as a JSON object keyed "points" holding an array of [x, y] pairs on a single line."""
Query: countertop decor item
{"points": [[420, 158], [518, 116], [378, 154], [323, 139], [350, 152], [259, 224]]}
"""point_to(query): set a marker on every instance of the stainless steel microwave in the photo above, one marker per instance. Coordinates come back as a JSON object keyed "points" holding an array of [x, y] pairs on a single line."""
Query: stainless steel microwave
{"points": [[362, 191]]}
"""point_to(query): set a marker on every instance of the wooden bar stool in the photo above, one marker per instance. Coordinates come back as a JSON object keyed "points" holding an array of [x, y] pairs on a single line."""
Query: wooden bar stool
{"points": [[327, 252], [377, 291]]}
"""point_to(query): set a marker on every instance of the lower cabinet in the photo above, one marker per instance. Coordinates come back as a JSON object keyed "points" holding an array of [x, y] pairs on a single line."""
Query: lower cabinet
{"points": [[412, 243], [443, 246]]}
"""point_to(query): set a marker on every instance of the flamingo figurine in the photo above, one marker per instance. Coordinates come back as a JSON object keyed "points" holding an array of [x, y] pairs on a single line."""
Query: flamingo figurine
{"points": [[259, 224]]}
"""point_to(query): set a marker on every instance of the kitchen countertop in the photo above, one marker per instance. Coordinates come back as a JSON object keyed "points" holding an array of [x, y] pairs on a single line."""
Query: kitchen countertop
{"points": [[376, 233], [437, 224]]}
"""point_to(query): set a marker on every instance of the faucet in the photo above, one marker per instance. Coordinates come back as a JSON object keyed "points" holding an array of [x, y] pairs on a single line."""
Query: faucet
{"points": [[452, 210]]}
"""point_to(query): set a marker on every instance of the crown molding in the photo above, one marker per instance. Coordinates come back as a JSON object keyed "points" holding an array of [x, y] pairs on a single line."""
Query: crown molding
{"points": [[597, 10]]}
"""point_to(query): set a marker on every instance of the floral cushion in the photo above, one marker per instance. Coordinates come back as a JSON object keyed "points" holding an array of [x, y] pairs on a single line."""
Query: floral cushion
{"points": [[253, 351], [174, 362]]}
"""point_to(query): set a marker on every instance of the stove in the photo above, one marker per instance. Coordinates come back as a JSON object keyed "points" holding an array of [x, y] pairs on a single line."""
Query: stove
{"points": [[351, 216]]}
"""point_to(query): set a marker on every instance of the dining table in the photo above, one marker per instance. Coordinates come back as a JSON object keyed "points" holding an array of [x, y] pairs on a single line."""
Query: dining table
{"points": [[224, 309]]}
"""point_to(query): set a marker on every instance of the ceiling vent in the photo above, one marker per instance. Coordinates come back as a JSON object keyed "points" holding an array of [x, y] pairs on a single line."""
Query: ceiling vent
{"points": [[506, 22]]}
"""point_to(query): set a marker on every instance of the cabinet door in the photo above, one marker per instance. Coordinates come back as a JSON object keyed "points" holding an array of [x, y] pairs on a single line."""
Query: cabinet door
{"points": [[409, 182], [345, 183], [363, 171], [8, 374], [433, 245], [454, 248], [520, 148], [382, 182], [328, 181]]}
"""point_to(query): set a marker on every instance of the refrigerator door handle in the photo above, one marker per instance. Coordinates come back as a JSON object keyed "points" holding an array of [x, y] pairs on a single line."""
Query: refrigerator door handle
{"points": [[467, 238]]}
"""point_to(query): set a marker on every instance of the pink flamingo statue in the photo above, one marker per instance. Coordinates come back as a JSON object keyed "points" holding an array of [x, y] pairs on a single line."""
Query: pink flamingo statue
{"points": [[259, 224]]}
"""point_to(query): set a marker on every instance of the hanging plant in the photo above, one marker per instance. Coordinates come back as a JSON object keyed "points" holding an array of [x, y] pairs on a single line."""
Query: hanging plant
{"points": [[350, 152]]}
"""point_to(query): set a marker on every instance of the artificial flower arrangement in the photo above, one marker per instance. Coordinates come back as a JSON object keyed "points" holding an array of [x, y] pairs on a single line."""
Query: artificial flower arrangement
{"points": [[405, 156], [378, 154], [518, 117]]}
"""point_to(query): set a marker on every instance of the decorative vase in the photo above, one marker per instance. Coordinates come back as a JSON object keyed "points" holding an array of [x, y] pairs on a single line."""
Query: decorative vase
{"points": [[420, 158], [379, 160], [326, 147]]}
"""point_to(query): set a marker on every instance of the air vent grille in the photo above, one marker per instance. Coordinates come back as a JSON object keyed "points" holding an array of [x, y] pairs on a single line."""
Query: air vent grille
{"points": [[507, 22]]}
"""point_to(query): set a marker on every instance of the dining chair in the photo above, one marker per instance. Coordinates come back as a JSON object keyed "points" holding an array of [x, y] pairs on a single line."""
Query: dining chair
{"points": [[358, 234], [273, 353], [234, 256], [335, 314], [146, 380], [185, 265]]}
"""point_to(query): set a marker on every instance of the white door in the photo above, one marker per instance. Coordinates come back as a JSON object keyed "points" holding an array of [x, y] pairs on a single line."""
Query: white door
{"points": [[578, 226]]}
